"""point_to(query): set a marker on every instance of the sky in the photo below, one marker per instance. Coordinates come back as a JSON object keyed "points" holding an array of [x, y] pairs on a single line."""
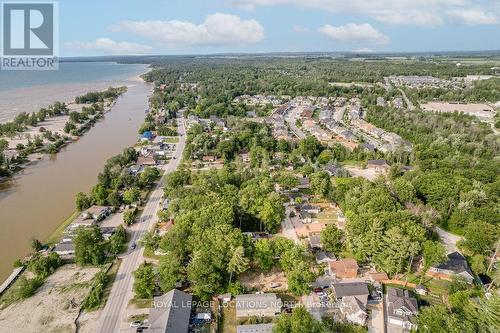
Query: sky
{"points": [[129, 27]]}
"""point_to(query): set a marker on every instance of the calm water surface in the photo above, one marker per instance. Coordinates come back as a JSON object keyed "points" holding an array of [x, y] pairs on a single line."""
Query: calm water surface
{"points": [[35, 203]]}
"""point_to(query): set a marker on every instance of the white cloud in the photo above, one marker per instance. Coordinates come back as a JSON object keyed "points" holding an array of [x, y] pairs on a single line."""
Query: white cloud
{"points": [[109, 46], [217, 30], [358, 33], [473, 17], [427, 13]]}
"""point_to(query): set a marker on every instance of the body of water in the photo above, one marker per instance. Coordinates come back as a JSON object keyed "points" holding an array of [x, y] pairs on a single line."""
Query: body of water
{"points": [[28, 91], [38, 200]]}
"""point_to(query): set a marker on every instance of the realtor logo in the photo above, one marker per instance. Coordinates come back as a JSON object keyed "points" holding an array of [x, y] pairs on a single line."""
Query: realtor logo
{"points": [[29, 35]]}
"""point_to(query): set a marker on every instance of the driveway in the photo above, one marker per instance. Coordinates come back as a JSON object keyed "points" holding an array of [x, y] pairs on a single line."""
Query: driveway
{"points": [[376, 320], [449, 240]]}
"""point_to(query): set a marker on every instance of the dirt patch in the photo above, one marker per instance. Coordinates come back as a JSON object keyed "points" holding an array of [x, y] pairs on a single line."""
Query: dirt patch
{"points": [[260, 281], [54, 307], [474, 109], [369, 174]]}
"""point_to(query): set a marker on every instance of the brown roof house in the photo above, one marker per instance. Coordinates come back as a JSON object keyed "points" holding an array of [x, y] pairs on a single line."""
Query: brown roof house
{"points": [[343, 268], [402, 308]]}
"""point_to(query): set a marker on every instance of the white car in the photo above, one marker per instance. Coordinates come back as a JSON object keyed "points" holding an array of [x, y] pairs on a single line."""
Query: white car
{"points": [[136, 323]]}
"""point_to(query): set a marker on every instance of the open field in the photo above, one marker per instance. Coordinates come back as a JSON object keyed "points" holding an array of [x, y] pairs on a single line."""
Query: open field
{"points": [[54, 307], [474, 109], [260, 281]]}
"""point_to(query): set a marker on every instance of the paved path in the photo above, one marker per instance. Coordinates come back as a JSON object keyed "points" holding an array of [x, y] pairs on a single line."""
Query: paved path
{"points": [[112, 316], [287, 228], [449, 240]]}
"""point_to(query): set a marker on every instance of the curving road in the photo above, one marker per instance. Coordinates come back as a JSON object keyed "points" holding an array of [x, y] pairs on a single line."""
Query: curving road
{"points": [[112, 317]]}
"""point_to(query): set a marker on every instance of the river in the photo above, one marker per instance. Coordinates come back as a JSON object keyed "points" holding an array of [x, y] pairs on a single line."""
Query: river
{"points": [[37, 201]]}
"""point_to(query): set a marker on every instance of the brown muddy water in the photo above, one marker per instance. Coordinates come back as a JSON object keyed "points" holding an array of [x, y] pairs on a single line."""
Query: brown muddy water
{"points": [[37, 201]]}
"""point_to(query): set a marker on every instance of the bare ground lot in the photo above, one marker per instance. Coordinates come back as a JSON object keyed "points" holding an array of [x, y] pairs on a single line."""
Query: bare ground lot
{"points": [[356, 171], [260, 281], [474, 109], [54, 307]]}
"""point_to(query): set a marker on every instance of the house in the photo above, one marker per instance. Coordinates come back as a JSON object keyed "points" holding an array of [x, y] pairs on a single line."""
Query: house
{"points": [[380, 101], [343, 268], [107, 232], [311, 209], [455, 265], [135, 169], [354, 308], [96, 212], [324, 257], [315, 241], [257, 328], [352, 298], [378, 165], [170, 313], [344, 289], [257, 305], [80, 221], [421, 290], [65, 249], [245, 157], [305, 217], [146, 161], [402, 308], [208, 158]]}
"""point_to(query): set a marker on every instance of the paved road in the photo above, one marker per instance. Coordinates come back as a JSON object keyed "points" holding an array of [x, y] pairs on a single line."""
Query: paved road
{"points": [[112, 316], [291, 117], [287, 228]]}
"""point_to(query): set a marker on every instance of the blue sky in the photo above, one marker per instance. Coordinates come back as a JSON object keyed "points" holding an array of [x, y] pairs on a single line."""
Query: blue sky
{"points": [[103, 27]]}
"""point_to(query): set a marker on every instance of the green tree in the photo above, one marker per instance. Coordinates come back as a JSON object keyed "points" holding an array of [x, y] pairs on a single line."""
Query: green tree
{"points": [[238, 262], [131, 195], [300, 321], [272, 212], [433, 253], [170, 272], [89, 246], [117, 240], [36, 245], [332, 239], [129, 216], [82, 201], [144, 281], [263, 254]]}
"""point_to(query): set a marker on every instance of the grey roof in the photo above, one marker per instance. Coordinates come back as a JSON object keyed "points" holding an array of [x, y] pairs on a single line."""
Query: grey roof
{"points": [[170, 313], [64, 247], [378, 162], [343, 289], [258, 328], [401, 299], [456, 263]]}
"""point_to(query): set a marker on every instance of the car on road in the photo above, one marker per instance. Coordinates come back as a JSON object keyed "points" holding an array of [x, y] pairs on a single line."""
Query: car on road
{"points": [[134, 245], [136, 323]]}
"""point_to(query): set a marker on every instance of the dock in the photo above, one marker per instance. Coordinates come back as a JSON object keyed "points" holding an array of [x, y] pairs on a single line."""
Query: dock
{"points": [[12, 277]]}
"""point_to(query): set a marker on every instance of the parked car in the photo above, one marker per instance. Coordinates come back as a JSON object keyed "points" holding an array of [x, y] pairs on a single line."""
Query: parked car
{"points": [[136, 323], [134, 245]]}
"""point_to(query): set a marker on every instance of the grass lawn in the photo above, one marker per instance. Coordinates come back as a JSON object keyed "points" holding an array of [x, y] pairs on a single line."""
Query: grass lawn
{"points": [[57, 234], [172, 139], [327, 215]]}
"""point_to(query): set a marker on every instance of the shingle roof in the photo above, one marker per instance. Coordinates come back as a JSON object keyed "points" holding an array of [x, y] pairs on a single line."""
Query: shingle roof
{"points": [[258, 328], [350, 289], [456, 263], [171, 313]]}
